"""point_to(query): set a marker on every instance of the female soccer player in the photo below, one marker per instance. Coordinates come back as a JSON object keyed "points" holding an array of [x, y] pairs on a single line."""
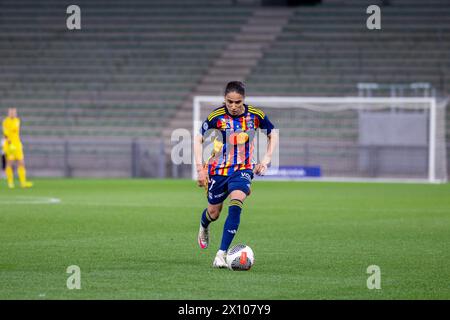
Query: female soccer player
{"points": [[13, 150], [230, 169]]}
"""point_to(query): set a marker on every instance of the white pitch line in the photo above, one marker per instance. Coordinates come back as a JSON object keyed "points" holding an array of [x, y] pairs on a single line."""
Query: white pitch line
{"points": [[29, 200]]}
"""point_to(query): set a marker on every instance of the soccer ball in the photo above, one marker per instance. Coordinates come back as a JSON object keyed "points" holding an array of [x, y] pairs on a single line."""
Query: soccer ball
{"points": [[240, 258]]}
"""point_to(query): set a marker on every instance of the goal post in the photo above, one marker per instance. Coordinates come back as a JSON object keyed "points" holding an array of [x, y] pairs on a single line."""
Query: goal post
{"points": [[351, 138]]}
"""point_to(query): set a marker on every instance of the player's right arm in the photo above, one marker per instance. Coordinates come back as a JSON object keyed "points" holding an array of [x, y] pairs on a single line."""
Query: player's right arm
{"points": [[202, 175], [209, 124], [6, 132], [5, 129]]}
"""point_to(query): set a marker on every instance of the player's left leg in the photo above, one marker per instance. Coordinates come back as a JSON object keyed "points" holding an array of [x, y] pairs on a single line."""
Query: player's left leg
{"points": [[239, 186], [22, 173], [233, 220], [230, 227]]}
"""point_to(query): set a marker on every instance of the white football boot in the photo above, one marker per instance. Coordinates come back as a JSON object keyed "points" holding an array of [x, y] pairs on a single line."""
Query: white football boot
{"points": [[220, 261], [203, 237]]}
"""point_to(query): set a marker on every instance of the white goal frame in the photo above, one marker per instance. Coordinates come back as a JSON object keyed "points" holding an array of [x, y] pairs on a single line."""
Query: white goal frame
{"points": [[357, 102]]}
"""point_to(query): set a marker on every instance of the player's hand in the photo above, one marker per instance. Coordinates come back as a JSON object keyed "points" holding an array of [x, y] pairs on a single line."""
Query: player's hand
{"points": [[202, 177], [260, 169]]}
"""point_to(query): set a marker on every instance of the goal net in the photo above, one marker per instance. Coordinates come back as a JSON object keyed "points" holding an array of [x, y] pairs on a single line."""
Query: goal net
{"points": [[350, 138]]}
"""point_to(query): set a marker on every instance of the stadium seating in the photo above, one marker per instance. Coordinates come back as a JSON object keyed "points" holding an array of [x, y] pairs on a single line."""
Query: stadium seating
{"points": [[143, 57], [123, 74], [326, 50], [133, 68]]}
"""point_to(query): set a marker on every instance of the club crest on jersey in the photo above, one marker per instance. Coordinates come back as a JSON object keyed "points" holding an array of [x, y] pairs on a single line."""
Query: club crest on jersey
{"points": [[223, 124], [249, 122]]}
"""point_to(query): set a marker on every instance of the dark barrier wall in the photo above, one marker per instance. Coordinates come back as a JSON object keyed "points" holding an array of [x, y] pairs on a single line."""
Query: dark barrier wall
{"points": [[290, 3]]}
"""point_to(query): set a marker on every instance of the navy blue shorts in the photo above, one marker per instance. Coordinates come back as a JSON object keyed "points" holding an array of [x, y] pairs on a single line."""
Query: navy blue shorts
{"points": [[219, 187]]}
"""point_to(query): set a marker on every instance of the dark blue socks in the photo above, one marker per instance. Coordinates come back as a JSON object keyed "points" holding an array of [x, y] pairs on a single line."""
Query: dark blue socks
{"points": [[206, 219], [231, 224]]}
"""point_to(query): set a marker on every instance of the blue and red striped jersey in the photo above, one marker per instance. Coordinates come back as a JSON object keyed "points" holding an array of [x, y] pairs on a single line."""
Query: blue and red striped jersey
{"points": [[236, 138]]}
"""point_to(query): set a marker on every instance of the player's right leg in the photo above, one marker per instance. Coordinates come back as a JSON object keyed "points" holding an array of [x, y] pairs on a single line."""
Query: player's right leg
{"points": [[9, 171], [216, 194], [210, 214]]}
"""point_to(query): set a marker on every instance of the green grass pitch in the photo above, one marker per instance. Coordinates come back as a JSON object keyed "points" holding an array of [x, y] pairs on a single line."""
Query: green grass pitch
{"points": [[137, 239]]}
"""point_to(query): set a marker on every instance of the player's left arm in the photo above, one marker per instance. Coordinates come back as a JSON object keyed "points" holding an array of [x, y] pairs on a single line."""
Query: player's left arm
{"points": [[272, 142], [261, 167]]}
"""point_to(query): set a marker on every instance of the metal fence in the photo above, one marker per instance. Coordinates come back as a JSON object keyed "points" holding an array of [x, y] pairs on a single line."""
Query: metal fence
{"points": [[146, 158], [95, 158]]}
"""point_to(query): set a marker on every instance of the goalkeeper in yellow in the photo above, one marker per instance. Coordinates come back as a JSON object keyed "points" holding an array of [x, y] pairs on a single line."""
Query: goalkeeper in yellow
{"points": [[13, 150]]}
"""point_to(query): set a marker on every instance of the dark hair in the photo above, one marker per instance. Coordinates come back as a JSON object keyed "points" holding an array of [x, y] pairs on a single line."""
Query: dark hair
{"points": [[235, 86]]}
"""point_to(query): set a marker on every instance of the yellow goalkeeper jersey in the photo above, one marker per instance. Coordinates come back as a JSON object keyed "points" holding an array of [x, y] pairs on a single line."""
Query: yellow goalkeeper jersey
{"points": [[11, 130]]}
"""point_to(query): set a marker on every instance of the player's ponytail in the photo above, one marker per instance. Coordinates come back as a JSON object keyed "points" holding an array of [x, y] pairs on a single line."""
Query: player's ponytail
{"points": [[235, 86]]}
